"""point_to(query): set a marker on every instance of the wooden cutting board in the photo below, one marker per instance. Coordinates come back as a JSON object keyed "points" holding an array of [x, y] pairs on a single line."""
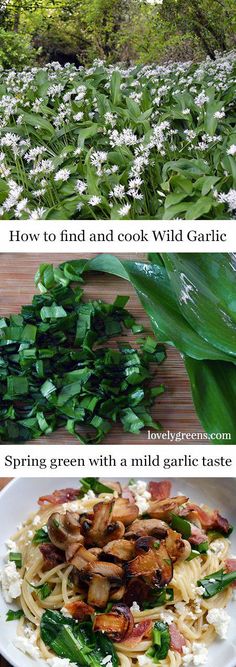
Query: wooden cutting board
{"points": [[174, 409]]}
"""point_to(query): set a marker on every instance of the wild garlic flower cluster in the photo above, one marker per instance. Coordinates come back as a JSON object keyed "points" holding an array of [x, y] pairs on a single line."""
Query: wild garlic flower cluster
{"points": [[153, 141]]}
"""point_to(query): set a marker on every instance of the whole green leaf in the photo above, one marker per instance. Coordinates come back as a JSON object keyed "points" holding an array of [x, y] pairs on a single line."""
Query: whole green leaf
{"points": [[155, 292], [204, 285], [213, 385]]}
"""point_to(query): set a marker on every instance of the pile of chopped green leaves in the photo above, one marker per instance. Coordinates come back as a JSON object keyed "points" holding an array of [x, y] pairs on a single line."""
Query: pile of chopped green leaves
{"points": [[190, 299], [56, 370]]}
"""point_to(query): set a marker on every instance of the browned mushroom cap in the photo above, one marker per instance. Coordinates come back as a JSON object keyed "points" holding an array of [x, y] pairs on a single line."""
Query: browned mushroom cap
{"points": [[152, 563], [102, 577], [142, 527], [79, 610], [95, 530], [98, 592], [96, 551], [161, 509], [115, 531], [119, 549], [64, 529], [117, 593], [118, 624], [115, 486], [111, 571], [178, 549], [124, 511]]}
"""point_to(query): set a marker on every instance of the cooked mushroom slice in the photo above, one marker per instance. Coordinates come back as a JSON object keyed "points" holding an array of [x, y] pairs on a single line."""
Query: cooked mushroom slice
{"points": [[115, 486], [118, 624], [123, 550], [96, 551], [142, 527], [152, 563], [115, 531], [161, 509], [124, 511], [63, 529], [111, 571], [79, 610], [178, 549], [98, 592], [82, 558], [117, 594], [95, 531]]}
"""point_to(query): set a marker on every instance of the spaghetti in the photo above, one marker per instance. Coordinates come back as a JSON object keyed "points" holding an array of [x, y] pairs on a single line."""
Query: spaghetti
{"points": [[184, 612]]}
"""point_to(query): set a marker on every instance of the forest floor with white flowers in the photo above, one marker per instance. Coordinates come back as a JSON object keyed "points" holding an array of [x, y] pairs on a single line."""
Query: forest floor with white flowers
{"points": [[114, 142]]}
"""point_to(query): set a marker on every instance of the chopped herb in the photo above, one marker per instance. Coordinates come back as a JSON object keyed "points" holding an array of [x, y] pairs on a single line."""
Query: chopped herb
{"points": [[42, 590], [160, 642], [93, 484], [181, 525], [56, 369], [14, 615], [16, 557], [158, 598], [216, 582], [40, 536], [194, 554]]}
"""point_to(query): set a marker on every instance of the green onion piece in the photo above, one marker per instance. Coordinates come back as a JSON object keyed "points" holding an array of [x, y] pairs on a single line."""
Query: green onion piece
{"points": [[216, 582], [160, 642], [16, 557], [14, 615], [181, 525], [40, 536]]}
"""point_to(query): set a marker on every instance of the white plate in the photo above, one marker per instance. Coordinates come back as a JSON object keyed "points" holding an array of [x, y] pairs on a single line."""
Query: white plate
{"points": [[19, 498]]}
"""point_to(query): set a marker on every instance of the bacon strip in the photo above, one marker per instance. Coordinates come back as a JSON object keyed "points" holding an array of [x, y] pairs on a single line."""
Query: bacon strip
{"points": [[231, 567], [159, 490], [52, 556], [59, 497], [128, 494], [197, 535], [177, 641], [138, 632], [209, 520]]}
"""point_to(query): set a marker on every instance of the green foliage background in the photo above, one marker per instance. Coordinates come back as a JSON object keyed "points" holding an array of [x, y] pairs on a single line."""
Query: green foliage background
{"points": [[38, 31]]}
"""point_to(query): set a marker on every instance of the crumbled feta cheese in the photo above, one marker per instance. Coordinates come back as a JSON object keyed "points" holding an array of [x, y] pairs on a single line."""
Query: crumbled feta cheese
{"points": [[167, 617], [144, 661], [135, 606], [66, 612], [180, 607], [220, 621], [36, 520], [141, 495], [89, 495], [11, 582], [107, 661], [11, 546], [196, 654], [217, 547], [30, 534], [60, 662], [28, 646], [200, 589]]}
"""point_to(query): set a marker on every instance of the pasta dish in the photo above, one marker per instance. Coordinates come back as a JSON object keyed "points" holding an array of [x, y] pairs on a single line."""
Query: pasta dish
{"points": [[114, 575]]}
